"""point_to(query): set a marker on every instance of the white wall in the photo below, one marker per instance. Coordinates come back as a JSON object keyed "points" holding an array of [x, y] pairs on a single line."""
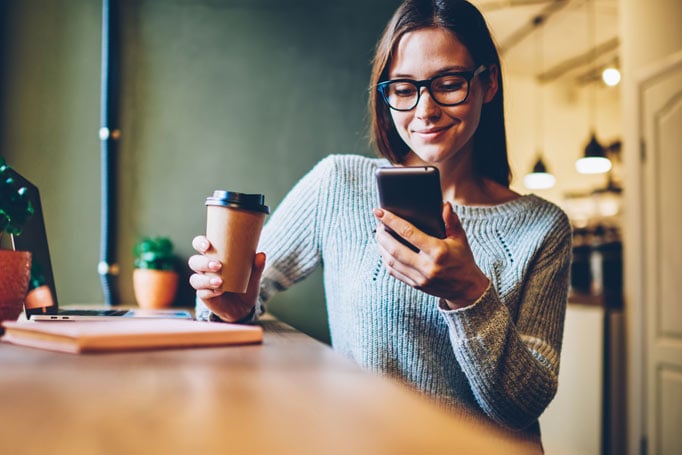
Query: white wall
{"points": [[571, 425]]}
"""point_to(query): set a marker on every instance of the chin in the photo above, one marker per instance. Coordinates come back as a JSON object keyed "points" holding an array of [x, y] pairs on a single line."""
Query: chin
{"points": [[430, 155]]}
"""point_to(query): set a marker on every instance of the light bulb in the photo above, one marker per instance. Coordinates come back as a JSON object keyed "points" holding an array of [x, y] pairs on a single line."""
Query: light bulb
{"points": [[593, 165], [539, 181], [611, 76]]}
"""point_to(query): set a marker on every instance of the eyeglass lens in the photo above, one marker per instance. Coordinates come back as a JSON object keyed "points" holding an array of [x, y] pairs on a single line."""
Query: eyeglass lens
{"points": [[449, 89]]}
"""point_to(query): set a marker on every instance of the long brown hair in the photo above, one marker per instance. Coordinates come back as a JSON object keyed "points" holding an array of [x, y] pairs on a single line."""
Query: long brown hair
{"points": [[466, 22]]}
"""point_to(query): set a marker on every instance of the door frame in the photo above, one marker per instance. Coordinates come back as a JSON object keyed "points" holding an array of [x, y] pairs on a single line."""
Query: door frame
{"points": [[634, 255]]}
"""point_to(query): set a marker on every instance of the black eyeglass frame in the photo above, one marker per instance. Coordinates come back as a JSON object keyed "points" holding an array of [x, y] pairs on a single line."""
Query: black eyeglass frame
{"points": [[467, 75]]}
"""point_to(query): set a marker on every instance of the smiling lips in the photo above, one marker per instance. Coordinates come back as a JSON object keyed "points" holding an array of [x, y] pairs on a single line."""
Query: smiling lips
{"points": [[431, 133]]}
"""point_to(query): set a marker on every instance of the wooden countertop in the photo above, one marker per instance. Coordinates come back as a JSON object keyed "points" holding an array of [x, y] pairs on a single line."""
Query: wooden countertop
{"points": [[291, 394]]}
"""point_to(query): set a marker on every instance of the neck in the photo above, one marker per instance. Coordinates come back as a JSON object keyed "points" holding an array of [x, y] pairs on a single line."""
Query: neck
{"points": [[462, 186], [458, 181]]}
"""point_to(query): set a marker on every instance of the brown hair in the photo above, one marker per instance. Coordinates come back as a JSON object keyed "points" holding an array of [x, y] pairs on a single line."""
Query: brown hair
{"points": [[468, 25]]}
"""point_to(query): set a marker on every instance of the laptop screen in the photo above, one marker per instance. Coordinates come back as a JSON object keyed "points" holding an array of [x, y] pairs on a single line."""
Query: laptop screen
{"points": [[42, 296]]}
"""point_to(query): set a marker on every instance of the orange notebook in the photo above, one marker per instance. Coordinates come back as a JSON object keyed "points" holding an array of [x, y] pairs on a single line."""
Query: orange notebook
{"points": [[128, 334]]}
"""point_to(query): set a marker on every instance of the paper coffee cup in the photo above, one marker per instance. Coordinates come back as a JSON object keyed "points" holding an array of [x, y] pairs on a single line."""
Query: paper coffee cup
{"points": [[233, 225]]}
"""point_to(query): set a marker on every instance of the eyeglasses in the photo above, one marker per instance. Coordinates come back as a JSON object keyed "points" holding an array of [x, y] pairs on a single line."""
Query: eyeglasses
{"points": [[448, 89]]}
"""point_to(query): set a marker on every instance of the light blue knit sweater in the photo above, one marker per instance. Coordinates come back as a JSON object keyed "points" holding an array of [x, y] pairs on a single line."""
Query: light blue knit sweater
{"points": [[498, 357]]}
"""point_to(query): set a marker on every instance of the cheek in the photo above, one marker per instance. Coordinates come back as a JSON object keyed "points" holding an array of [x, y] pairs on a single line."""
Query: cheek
{"points": [[401, 122], [476, 105], [468, 115], [473, 115]]}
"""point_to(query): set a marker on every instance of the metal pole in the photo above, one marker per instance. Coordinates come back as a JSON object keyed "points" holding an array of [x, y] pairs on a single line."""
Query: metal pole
{"points": [[109, 135]]}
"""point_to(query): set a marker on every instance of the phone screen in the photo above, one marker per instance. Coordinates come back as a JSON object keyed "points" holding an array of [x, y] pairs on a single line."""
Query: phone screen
{"points": [[413, 193]]}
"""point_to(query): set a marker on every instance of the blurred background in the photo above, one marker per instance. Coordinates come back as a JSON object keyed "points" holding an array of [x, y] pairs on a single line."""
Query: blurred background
{"points": [[248, 95]]}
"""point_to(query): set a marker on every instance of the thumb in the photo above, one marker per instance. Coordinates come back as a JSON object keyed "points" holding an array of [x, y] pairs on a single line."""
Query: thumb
{"points": [[256, 273], [453, 226]]}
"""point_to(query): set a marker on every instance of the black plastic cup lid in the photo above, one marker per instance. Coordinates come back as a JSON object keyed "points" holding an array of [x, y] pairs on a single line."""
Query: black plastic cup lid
{"points": [[253, 202]]}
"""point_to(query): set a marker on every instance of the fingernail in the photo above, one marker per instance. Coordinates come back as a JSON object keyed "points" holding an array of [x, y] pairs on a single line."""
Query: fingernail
{"points": [[203, 245], [215, 281], [214, 265], [378, 213]]}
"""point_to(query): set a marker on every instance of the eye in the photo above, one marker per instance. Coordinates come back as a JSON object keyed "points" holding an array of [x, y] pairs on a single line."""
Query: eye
{"points": [[402, 89], [449, 83]]}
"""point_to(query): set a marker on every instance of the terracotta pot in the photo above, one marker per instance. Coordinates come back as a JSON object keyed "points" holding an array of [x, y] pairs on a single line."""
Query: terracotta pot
{"points": [[155, 288], [15, 273]]}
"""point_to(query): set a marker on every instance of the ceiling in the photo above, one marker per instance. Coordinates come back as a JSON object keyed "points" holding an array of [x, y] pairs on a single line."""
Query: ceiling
{"points": [[575, 38]]}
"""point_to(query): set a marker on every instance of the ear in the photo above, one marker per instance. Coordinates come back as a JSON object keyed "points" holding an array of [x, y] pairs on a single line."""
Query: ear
{"points": [[493, 83]]}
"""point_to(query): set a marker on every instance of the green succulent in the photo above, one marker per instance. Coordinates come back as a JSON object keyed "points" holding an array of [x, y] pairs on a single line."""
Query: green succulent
{"points": [[154, 253], [15, 207]]}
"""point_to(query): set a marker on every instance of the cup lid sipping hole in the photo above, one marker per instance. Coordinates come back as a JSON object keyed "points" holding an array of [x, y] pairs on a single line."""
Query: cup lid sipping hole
{"points": [[254, 202]]}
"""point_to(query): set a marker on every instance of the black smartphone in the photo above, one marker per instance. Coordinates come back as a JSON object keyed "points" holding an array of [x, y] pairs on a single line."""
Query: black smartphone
{"points": [[413, 193]]}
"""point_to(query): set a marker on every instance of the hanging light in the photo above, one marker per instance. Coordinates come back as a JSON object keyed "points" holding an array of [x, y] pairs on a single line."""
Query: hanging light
{"points": [[539, 178], [594, 160], [610, 76]]}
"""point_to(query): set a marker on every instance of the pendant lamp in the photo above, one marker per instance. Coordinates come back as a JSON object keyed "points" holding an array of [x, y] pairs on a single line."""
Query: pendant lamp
{"points": [[594, 159], [539, 178]]}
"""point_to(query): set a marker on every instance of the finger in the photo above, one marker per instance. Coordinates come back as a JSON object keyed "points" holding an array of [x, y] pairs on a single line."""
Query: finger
{"points": [[388, 243], [404, 278], [396, 259], [201, 243], [256, 273], [397, 253], [402, 228], [207, 294], [201, 281], [398, 270], [199, 263], [453, 225]]}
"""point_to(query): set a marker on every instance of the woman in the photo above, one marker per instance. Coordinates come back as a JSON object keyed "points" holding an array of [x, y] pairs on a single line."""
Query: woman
{"points": [[474, 320]]}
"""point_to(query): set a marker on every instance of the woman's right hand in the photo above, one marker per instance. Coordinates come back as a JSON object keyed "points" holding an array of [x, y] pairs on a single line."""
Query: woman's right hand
{"points": [[206, 281]]}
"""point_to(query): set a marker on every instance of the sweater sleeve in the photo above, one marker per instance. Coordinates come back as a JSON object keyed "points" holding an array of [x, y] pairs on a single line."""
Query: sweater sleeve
{"points": [[292, 237], [513, 366]]}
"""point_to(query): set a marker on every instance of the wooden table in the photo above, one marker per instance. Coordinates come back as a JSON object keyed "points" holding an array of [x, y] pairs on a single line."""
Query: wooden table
{"points": [[291, 394]]}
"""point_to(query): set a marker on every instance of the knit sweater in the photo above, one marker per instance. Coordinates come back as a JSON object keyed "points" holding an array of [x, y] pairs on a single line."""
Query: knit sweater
{"points": [[498, 357]]}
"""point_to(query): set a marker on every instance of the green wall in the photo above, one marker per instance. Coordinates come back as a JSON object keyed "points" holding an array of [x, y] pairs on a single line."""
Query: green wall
{"points": [[241, 95]]}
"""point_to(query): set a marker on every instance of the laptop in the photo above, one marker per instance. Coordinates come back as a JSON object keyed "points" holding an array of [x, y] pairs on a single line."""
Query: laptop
{"points": [[41, 302]]}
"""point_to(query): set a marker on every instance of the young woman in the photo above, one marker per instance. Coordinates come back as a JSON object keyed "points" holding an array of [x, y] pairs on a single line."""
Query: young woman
{"points": [[474, 320]]}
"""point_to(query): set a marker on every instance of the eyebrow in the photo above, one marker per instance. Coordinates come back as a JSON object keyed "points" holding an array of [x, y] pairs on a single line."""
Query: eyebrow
{"points": [[449, 69]]}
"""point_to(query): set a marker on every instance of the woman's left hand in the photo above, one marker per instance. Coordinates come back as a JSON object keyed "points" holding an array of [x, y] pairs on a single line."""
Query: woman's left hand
{"points": [[442, 267]]}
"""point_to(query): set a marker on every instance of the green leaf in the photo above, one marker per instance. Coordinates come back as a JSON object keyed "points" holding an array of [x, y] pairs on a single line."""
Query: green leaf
{"points": [[154, 253], [15, 207]]}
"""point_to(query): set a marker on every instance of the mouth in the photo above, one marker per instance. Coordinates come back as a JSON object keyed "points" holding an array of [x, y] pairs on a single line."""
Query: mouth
{"points": [[431, 133]]}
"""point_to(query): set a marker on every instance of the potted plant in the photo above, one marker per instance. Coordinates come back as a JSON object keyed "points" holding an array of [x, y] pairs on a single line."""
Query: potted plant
{"points": [[39, 294], [15, 266], [155, 280]]}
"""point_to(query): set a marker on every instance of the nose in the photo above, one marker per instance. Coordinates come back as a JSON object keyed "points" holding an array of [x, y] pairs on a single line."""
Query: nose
{"points": [[426, 106]]}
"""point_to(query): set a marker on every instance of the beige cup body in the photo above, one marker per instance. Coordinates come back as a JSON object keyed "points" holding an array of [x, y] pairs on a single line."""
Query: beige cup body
{"points": [[234, 235]]}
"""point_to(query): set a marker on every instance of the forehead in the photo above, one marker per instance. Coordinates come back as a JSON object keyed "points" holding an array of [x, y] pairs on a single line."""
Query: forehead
{"points": [[425, 51]]}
